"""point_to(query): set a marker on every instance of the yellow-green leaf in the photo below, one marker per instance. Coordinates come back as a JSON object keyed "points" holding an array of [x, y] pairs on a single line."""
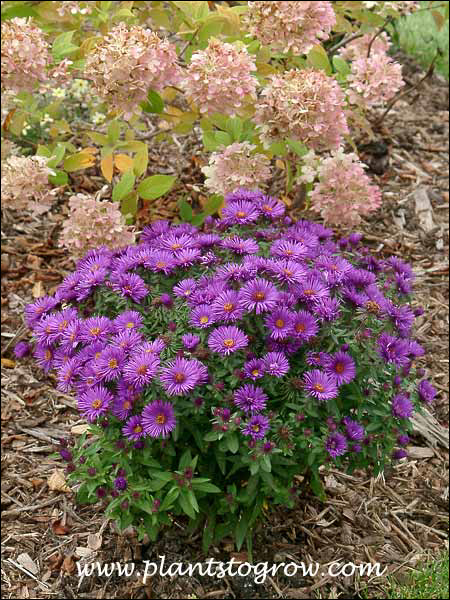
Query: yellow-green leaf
{"points": [[318, 59], [107, 167], [123, 187], [78, 161], [155, 186]]}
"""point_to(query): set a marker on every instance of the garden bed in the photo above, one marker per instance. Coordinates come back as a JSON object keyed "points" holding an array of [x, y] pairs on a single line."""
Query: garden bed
{"points": [[394, 519]]}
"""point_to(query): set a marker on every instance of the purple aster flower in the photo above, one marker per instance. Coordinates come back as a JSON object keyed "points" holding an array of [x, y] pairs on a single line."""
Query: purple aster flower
{"points": [[95, 329], [127, 340], [46, 330], [130, 319], [361, 278], [341, 367], [327, 309], [401, 406], [133, 428], [312, 289], [393, 350], [122, 406], [271, 208], [402, 318], [399, 454], [161, 262], [403, 440], [181, 375], [185, 288], [21, 349], [95, 402], [202, 316], [336, 445], [176, 243], [257, 427], [140, 369], [190, 341], [240, 246], [154, 347], [227, 306], [254, 369], [317, 359], [286, 249], [67, 289], [120, 483], [250, 398], [44, 357], [235, 272], [226, 340], [67, 375], [320, 385], [353, 430], [110, 363], [288, 271], [279, 322], [130, 286], [415, 349], [158, 419], [276, 364], [427, 392], [400, 267], [304, 326], [187, 257], [70, 337], [259, 295], [240, 212], [35, 310]]}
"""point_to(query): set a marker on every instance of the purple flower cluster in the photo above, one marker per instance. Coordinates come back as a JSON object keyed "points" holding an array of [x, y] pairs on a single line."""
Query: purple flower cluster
{"points": [[254, 299]]}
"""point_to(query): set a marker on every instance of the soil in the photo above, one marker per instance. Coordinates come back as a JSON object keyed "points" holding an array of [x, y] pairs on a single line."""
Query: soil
{"points": [[394, 519]]}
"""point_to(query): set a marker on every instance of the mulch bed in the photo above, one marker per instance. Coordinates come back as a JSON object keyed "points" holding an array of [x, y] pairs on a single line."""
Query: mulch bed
{"points": [[394, 519]]}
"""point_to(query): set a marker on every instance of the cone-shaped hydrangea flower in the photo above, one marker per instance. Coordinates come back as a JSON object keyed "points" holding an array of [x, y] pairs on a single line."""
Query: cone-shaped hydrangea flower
{"points": [[360, 46], [305, 105], [250, 398], [295, 26], [181, 375], [25, 184], [236, 166], [93, 223], [127, 63], [25, 55], [158, 419], [226, 340], [374, 80], [344, 193], [220, 78]]}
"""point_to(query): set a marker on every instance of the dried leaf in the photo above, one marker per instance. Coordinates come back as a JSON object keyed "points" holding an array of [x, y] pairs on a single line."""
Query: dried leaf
{"points": [[28, 563], [55, 561], [68, 565], [81, 552], [57, 481], [59, 529], [80, 429], [8, 363], [94, 541], [38, 290]]}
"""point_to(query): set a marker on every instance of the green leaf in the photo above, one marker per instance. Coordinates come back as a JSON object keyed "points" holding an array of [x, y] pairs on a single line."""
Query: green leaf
{"points": [[341, 66], [170, 498], [18, 11], [99, 138], [209, 141], [155, 486], [114, 130], [224, 138], [163, 475], [214, 203], [211, 436], [57, 156], [206, 487], [317, 487], [185, 459], [299, 148], [154, 103], [123, 187], [235, 128], [155, 186], [62, 45], [183, 501], [197, 220], [232, 442], [208, 533], [185, 211], [43, 151], [318, 58], [59, 178], [241, 531], [129, 205], [140, 161]]}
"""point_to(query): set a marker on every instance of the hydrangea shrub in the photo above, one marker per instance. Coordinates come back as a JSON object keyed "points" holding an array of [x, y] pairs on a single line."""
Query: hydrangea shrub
{"points": [[216, 365]]}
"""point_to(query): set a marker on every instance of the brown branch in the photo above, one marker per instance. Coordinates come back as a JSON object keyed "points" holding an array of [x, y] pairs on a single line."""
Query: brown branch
{"points": [[378, 33], [344, 42], [400, 95]]}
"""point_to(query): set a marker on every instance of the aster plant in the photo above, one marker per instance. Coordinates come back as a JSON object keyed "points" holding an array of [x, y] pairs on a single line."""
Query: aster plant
{"points": [[214, 365]]}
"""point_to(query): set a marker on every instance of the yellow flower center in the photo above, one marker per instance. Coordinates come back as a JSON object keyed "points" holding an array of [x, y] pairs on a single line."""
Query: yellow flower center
{"points": [[130, 325], [279, 323], [97, 403], [161, 419], [267, 207], [255, 372], [319, 387], [113, 363], [339, 368], [204, 320], [228, 306], [95, 330], [142, 370], [137, 429], [256, 428], [300, 328], [48, 355], [259, 296], [308, 292], [161, 264], [176, 246], [179, 377], [241, 214], [127, 405], [228, 343]]}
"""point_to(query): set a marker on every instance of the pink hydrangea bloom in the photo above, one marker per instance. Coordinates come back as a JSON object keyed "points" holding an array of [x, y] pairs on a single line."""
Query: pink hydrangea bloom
{"points": [[295, 26], [127, 63], [92, 223], [403, 7], [68, 9], [25, 184], [237, 166], [374, 80], [306, 105], [25, 55], [344, 193], [359, 48], [220, 78]]}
